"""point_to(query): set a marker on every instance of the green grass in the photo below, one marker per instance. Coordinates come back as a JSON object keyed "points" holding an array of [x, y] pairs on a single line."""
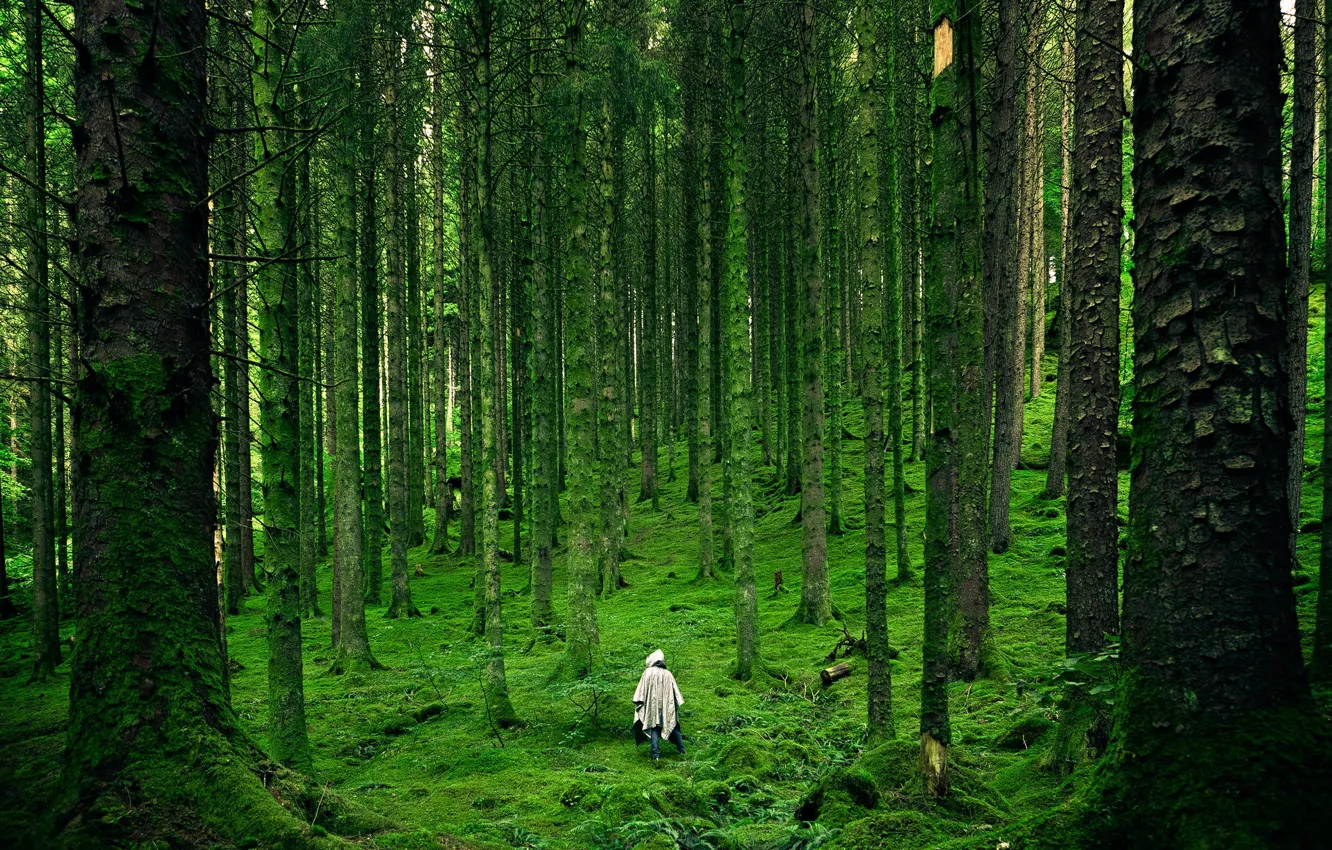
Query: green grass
{"points": [[412, 741]]}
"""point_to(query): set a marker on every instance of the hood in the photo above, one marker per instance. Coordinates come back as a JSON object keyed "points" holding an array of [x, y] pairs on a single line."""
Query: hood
{"points": [[657, 655]]}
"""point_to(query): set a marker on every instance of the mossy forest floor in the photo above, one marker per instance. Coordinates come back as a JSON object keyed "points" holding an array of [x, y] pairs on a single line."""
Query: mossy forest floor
{"points": [[412, 741]]}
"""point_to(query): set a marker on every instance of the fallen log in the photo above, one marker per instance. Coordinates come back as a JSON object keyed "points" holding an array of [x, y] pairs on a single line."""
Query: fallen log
{"points": [[835, 672]]}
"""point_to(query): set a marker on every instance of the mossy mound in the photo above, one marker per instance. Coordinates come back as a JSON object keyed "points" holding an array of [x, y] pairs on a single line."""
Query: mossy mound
{"points": [[892, 830], [888, 778], [669, 797], [744, 756]]}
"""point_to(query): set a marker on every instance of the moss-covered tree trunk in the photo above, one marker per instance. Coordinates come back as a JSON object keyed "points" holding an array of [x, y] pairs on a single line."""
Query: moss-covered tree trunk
{"points": [[647, 347], [815, 600], [1211, 658], [739, 388], [372, 554], [308, 445], [352, 639], [399, 442], [879, 688], [279, 413], [464, 353], [703, 381], [581, 632], [607, 204], [1001, 263], [830, 118], [440, 336], [955, 536]]}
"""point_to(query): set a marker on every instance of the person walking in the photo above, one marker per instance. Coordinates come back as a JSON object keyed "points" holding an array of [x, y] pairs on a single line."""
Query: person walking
{"points": [[656, 702]]}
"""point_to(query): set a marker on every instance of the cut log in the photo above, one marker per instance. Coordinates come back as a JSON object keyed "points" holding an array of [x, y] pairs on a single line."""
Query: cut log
{"points": [[835, 672]]}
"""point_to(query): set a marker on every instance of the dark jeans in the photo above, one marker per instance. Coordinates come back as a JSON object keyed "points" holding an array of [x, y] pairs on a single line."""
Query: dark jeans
{"points": [[654, 735]]}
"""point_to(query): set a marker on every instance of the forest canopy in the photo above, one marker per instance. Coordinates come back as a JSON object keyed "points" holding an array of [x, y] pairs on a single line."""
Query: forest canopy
{"points": [[922, 401]]}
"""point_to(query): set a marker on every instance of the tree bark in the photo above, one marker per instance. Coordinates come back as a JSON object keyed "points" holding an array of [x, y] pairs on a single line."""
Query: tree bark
{"points": [[279, 414], [1301, 236], [1096, 208], [879, 689], [1211, 650], [815, 601], [1001, 266]]}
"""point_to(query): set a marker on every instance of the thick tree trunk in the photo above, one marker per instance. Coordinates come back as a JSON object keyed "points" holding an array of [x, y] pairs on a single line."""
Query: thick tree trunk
{"points": [[148, 695], [308, 444], [1092, 276], [1211, 650], [955, 539], [581, 632], [647, 348], [703, 381], [1320, 665]]}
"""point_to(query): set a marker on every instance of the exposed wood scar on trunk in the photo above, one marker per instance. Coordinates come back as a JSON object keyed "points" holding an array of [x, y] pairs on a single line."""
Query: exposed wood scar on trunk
{"points": [[943, 45]]}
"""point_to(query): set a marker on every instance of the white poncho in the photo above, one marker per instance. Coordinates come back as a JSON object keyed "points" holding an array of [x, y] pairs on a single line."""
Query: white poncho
{"points": [[656, 698]]}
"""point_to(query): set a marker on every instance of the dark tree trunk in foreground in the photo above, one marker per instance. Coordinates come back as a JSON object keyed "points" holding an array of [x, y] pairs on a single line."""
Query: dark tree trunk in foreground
{"points": [[1211, 658], [1092, 278], [1056, 474], [372, 556], [148, 694]]}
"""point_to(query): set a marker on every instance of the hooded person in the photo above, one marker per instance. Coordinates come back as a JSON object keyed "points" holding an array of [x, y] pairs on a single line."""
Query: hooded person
{"points": [[655, 704]]}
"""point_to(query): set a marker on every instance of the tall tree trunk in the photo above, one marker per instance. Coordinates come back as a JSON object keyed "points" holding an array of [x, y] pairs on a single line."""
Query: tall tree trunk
{"points": [[1320, 665], [498, 707], [353, 640], [308, 445], [443, 489], [1034, 162], [703, 381], [647, 354], [1001, 266], [466, 273], [545, 363], [1057, 472], [1301, 236], [45, 602], [739, 389], [955, 536], [582, 634], [1096, 207], [815, 601], [159, 719], [279, 415], [1211, 647], [372, 307], [610, 403], [399, 425], [879, 691]]}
